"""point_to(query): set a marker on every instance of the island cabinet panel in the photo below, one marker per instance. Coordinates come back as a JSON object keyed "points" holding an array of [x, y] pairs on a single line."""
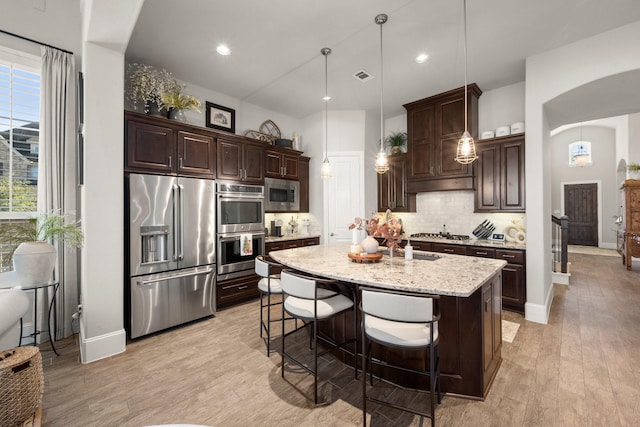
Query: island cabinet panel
{"points": [[434, 126], [513, 279], [159, 145], [470, 344]]}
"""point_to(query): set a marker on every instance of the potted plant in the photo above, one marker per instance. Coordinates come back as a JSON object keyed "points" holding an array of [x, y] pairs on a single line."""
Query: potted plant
{"points": [[634, 170], [177, 102], [397, 141], [146, 85], [34, 258]]}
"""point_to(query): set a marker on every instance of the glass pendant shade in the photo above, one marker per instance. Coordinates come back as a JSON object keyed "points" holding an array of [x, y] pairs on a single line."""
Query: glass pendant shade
{"points": [[582, 157], [325, 171], [382, 163], [466, 152]]}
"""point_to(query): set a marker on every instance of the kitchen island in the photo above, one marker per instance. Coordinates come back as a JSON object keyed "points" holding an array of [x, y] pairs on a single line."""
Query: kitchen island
{"points": [[470, 302]]}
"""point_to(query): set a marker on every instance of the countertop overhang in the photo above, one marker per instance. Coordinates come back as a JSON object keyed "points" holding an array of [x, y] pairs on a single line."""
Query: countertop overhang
{"points": [[454, 275]]}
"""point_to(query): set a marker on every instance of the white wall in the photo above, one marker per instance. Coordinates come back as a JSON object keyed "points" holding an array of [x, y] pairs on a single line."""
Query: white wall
{"points": [[602, 170], [549, 75]]}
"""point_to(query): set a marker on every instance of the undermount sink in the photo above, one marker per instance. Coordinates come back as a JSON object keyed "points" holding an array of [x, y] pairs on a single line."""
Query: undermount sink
{"points": [[425, 256]]}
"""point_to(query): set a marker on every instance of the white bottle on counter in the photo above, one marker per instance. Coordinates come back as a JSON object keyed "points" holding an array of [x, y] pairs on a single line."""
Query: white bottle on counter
{"points": [[408, 251]]}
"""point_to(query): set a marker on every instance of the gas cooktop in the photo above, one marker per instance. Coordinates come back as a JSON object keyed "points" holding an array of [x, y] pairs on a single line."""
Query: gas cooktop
{"points": [[441, 236]]}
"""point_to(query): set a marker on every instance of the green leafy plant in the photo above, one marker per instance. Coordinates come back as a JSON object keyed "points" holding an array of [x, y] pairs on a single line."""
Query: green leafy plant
{"points": [[633, 167], [396, 139], [146, 84], [174, 98], [48, 226]]}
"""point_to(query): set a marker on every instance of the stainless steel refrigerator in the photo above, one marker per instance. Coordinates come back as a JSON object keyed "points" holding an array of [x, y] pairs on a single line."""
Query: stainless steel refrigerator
{"points": [[171, 225]]}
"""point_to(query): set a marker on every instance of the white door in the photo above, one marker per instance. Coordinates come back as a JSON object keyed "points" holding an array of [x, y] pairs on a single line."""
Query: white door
{"points": [[343, 196]]}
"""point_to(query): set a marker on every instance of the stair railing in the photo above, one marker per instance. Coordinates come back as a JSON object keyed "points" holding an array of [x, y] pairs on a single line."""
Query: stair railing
{"points": [[560, 239]]}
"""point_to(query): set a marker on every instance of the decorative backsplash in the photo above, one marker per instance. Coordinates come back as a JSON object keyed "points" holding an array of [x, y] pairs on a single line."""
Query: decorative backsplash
{"points": [[455, 209]]}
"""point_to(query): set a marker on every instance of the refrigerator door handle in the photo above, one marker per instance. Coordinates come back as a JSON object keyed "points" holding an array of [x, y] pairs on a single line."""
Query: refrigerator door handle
{"points": [[174, 276], [180, 191], [176, 231]]}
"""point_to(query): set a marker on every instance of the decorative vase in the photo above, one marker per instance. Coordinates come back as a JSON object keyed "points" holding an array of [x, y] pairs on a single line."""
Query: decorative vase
{"points": [[152, 109], [34, 262], [396, 149], [370, 245], [177, 114]]}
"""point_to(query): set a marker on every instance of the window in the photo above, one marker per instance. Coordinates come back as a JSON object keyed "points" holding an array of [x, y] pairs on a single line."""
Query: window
{"points": [[580, 153], [19, 132]]}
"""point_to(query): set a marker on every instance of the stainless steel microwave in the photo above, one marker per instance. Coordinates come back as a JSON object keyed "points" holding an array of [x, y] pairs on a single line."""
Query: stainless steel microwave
{"points": [[281, 195]]}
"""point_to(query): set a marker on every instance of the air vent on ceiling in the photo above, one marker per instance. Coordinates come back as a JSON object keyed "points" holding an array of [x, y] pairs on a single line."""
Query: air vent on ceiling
{"points": [[363, 76]]}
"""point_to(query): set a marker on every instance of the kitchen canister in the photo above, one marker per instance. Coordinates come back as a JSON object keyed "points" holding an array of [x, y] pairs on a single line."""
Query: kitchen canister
{"points": [[487, 134], [503, 131], [517, 127]]}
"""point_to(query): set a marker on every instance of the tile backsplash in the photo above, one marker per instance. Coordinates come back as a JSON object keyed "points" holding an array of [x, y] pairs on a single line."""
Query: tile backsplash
{"points": [[455, 209]]}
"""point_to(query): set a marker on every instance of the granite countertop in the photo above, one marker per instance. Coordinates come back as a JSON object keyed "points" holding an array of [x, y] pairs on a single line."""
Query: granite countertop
{"points": [[290, 237], [472, 242], [454, 275]]}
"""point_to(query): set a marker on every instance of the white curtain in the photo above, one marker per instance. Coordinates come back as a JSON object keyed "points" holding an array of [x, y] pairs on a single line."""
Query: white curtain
{"points": [[57, 171]]}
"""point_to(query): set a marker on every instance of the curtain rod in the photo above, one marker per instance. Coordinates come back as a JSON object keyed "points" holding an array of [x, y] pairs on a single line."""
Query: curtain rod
{"points": [[35, 41]]}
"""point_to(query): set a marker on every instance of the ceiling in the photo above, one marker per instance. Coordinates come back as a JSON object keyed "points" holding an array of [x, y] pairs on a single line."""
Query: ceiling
{"points": [[276, 61]]}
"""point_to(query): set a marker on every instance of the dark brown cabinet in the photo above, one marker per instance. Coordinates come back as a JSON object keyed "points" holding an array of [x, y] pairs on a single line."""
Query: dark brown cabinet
{"points": [[291, 243], [434, 126], [303, 174], [281, 164], [240, 160], [449, 249], [491, 327], [392, 187], [499, 174], [161, 146], [630, 197], [513, 279], [232, 291]]}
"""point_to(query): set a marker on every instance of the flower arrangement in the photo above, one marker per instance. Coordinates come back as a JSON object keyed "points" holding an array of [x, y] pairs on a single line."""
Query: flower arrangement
{"points": [[396, 141], [174, 98], [146, 84], [385, 227]]}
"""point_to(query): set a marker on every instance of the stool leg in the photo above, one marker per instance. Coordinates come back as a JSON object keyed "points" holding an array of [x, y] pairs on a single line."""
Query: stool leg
{"points": [[432, 381], [268, 324], [282, 352], [315, 360], [364, 377], [261, 308]]}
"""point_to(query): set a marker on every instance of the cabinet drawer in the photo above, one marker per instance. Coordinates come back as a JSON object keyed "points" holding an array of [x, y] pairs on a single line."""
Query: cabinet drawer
{"points": [[421, 246], [449, 249], [512, 257], [289, 244], [235, 290], [482, 252], [311, 241]]}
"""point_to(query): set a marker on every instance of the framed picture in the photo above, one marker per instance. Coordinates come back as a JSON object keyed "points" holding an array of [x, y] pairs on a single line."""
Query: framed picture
{"points": [[219, 117]]}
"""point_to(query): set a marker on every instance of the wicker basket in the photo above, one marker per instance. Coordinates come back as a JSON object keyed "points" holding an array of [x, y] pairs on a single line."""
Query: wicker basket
{"points": [[21, 384]]}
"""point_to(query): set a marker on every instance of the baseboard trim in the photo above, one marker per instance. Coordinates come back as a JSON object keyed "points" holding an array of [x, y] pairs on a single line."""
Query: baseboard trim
{"points": [[102, 346], [539, 313]]}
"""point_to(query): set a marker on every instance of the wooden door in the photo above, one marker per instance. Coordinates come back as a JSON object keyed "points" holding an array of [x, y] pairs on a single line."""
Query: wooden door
{"points": [[421, 137], [150, 147], [196, 155], [253, 164], [581, 206], [229, 160], [487, 194]]}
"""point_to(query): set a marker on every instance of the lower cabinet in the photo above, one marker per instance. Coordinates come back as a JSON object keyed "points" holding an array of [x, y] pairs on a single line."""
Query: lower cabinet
{"points": [[233, 291], [291, 243], [491, 327]]}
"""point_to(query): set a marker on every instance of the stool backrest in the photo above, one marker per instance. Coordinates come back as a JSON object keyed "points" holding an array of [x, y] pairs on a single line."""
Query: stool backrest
{"points": [[298, 286], [262, 266], [396, 307]]}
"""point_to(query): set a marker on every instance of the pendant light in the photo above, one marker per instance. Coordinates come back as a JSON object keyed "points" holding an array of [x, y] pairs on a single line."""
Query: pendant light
{"points": [[582, 156], [325, 171], [382, 163], [466, 152]]}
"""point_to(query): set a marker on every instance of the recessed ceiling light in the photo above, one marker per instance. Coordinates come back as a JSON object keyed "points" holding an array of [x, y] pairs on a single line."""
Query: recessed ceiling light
{"points": [[223, 50], [422, 58], [326, 98]]}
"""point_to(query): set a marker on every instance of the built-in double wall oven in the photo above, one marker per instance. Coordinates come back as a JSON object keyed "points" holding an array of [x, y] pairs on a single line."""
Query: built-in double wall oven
{"points": [[240, 228]]}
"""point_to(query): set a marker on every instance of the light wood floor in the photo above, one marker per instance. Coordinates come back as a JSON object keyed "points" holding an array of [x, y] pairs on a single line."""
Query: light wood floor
{"points": [[581, 369]]}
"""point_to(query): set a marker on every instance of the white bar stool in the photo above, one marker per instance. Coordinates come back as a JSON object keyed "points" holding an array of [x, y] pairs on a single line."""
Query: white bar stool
{"points": [[405, 321], [305, 300]]}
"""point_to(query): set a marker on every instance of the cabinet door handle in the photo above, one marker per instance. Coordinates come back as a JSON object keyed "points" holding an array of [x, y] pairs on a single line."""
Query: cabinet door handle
{"points": [[449, 251], [180, 163], [508, 256], [169, 161], [242, 287], [481, 253]]}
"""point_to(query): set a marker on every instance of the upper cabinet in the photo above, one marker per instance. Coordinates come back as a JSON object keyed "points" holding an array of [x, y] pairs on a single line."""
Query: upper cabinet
{"points": [[500, 180], [160, 145], [281, 163], [434, 126], [392, 187], [240, 160]]}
